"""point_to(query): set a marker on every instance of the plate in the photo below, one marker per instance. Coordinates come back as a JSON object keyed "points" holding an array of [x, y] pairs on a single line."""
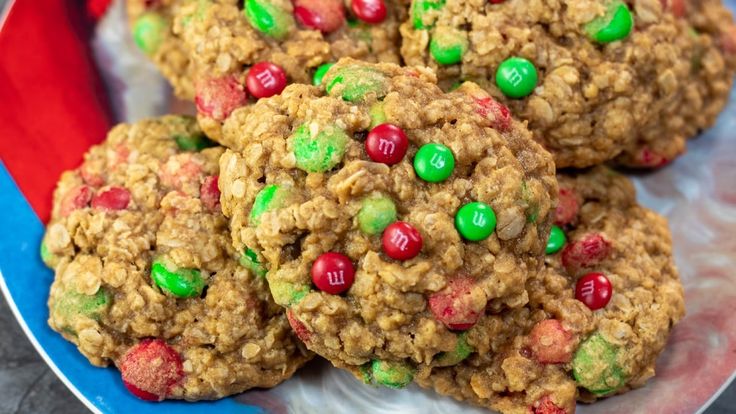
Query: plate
{"points": [[697, 194]]}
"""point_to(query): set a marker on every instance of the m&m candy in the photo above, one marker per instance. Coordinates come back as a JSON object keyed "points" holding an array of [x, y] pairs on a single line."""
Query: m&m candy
{"points": [[333, 273], [265, 79], [594, 290], [475, 221], [551, 343], [178, 282], [323, 15], [596, 367], [401, 241], [556, 240], [616, 24], [268, 18], [386, 143], [150, 369], [369, 11], [459, 305], [376, 214], [516, 77], [434, 163]]}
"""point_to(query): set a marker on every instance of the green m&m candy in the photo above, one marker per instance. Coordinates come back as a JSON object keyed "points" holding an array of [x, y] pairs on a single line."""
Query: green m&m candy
{"points": [[434, 163], [196, 142], [462, 350], [377, 114], [615, 25], [271, 197], [392, 374], [556, 240], [448, 46], [422, 15], [516, 77], [287, 294], [375, 214], [475, 221], [268, 18], [180, 283], [320, 153], [595, 366], [319, 74], [249, 260], [48, 258], [72, 304], [355, 83], [149, 31]]}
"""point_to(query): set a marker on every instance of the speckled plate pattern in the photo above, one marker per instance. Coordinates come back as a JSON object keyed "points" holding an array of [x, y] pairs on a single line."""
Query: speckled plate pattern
{"points": [[697, 193]]}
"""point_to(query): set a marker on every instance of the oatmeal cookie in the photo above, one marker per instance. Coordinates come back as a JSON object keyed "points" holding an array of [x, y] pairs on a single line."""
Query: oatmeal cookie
{"points": [[703, 97], [243, 50], [596, 320], [594, 78], [388, 215], [146, 277]]}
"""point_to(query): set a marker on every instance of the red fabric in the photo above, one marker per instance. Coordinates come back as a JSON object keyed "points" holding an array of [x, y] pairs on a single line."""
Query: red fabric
{"points": [[53, 104]]}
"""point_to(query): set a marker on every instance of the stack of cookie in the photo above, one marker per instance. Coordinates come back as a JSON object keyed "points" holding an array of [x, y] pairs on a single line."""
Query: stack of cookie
{"points": [[454, 222]]}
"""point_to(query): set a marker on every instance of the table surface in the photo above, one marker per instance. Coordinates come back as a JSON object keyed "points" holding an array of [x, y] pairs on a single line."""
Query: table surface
{"points": [[27, 385]]}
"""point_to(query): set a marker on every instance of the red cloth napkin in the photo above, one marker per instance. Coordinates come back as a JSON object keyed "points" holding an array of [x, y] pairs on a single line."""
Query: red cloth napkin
{"points": [[53, 104]]}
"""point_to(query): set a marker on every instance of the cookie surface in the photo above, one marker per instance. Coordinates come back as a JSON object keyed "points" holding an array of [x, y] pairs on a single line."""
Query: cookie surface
{"points": [[713, 64], [151, 27], [594, 78], [597, 318], [146, 277], [225, 40], [383, 261]]}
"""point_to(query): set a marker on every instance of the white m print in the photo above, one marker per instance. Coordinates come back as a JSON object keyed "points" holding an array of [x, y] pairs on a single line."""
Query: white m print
{"points": [[266, 79], [400, 239], [478, 219], [437, 161], [386, 147], [336, 278], [588, 288], [515, 77]]}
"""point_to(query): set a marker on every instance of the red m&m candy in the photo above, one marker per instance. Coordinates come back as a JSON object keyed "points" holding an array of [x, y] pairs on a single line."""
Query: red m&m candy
{"points": [[459, 305], [678, 7], [500, 113], [217, 97], [265, 79], [551, 343], [323, 15], [76, 198], [567, 207], [298, 327], [369, 11], [401, 241], [112, 199], [594, 290], [546, 406], [333, 273], [386, 143], [151, 369], [209, 193], [590, 250]]}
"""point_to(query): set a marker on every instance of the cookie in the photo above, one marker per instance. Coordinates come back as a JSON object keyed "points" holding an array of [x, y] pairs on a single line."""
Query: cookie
{"points": [[387, 214], [241, 51], [597, 317], [145, 275], [712, 28], [594, 78]]}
